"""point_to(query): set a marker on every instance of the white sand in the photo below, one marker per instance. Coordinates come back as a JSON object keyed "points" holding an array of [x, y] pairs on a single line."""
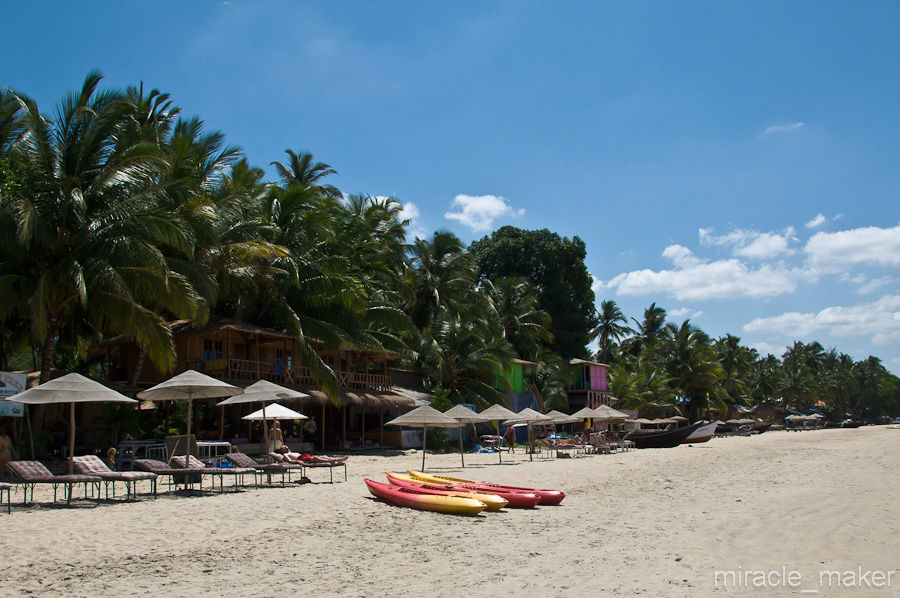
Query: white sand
{"points": [[653, 522]]}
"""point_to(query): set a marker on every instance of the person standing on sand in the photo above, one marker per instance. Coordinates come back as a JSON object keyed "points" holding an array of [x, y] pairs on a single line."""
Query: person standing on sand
{"points": [[311, 429], [511, 439], [6, 453], [276, 438]]}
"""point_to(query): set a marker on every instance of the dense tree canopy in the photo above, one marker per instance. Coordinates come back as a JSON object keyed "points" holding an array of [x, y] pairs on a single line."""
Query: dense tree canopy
{"points": [[555, 265]]}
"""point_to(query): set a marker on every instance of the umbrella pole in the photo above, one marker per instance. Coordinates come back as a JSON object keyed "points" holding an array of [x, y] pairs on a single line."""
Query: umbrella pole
{"points": [[461, 458], [265, 433], [530, 444], [424, 437], [71, 435]]}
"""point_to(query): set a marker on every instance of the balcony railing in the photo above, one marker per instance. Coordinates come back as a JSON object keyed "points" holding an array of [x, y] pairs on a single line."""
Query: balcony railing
{"points": [[276, 371]]}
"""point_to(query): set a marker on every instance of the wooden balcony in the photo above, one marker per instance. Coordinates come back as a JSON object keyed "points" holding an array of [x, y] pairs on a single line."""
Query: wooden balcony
{"points": [[275, 371]]}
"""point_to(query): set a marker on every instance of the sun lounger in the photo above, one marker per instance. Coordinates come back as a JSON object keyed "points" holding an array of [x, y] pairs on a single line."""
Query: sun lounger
{"points": [[246, 462], [93, 465], [330, 465], [160, 469], [32, 473], [195, 465], [5, 487]]}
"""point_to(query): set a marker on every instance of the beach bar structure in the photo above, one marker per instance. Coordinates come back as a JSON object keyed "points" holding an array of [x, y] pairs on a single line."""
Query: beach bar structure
{"points": [[589, 386], [241, 353]]}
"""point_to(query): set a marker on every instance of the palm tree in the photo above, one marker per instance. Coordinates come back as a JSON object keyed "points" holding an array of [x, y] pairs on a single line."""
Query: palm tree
{"points": [[610, 329], [736, 361], [302, 171], [442, 273], [690, 360], [525, 324], [463, 353], [647, 331], [89, 228]]}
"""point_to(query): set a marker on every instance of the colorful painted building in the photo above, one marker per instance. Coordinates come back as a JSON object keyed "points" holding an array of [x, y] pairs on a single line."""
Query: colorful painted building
{"points": [[589, 386]]}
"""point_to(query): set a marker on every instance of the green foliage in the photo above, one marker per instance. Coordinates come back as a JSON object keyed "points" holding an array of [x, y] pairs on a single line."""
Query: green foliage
{"points": [[555, 266]]}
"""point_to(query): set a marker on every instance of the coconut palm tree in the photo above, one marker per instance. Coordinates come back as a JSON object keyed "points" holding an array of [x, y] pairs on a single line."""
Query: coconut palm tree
{"points": [[90, 229], [610, 330], [525, 324], [691, 362], [302, 170], [442, 274]]}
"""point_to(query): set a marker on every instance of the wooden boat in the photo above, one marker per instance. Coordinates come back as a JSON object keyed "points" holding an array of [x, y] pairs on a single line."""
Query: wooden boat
{"points": [[661, 438], [701, 434], [513, 494], [406, 497], [492, 502], [760, 428]]}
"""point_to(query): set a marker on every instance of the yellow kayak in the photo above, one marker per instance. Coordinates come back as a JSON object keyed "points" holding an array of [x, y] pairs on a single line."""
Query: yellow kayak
{"points": [[491, 501]]}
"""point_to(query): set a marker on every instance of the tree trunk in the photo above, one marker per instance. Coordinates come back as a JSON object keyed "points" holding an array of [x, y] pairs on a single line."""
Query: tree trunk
{"points": [[138, 366], [47, 353]]}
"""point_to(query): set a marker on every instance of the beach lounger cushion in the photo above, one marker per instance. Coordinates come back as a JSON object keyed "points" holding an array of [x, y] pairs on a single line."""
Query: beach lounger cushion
{"points": [[196, 464], [155, 466], [93, 465], [35, 471]]}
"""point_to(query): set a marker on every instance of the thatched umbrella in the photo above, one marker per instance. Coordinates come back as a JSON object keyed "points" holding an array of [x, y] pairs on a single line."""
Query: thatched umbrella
{"points": [[188, 386], [464, 415], [498, 413], [422, 417], [528, 417], [71, 389], [264, 392]]}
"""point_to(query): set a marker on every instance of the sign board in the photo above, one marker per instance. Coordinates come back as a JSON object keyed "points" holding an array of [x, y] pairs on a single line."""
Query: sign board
{"points": [[11, 384]]}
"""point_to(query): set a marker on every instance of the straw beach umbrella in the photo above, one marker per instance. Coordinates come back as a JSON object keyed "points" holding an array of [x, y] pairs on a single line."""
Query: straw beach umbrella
{"points": [[188, 386], [71, 389], [264, 392], [498, 413], [528, 417], [422, 417], [464, 415]]}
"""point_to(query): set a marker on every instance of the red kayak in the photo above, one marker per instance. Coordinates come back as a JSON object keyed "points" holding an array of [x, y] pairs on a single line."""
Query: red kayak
{"points": [[517, 499], [493, 502], [406, 497], [547, 497]]}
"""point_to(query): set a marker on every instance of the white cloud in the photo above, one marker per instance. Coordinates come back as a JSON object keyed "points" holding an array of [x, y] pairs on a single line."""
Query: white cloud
{"points": [[874, 285], [881, 319], [596, 284], [478, 212], [750, 243], [867, 245], [694, 279], [409, 211], [684, 313], [819, 220], [765, 348], [782, 128]]}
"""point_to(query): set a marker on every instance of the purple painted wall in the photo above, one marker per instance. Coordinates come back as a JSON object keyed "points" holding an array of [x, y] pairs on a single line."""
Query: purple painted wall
{"points": [[598, 378]]}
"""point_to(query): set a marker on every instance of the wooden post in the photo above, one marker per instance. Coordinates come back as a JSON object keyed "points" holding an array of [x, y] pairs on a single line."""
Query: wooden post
{"points": [[381, 424], [222, 423], [257, 356], [424, 438], [362, 411], [343, 427], [228, 353], [71, 435], [322, 429]]}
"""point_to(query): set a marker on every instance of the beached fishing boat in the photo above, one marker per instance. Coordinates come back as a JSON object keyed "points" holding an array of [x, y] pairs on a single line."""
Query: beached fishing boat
{"points": [[545, 497], [492, 502], [661, 438], [701, 434], [760, 428], [406, 497]]}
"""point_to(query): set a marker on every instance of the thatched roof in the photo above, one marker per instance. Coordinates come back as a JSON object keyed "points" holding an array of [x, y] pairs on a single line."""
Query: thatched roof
{"points": [[576, 361]]}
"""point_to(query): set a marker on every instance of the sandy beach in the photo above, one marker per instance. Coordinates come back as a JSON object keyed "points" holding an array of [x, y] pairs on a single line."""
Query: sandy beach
{"points": [[653, 522]]}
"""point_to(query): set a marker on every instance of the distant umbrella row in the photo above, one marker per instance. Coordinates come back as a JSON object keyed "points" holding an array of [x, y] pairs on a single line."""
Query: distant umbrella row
{"points": [[460, 416]]}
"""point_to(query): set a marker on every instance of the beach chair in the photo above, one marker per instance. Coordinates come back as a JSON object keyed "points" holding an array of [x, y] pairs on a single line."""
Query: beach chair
{"points": [[93, 465], [7, 488], [32, 473], [195, 465], [306, 464], [246, 462], [160, 469]]}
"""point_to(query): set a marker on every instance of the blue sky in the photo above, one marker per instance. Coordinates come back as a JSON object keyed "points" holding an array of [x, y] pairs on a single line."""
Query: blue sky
{"points": [[734, 162]]}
